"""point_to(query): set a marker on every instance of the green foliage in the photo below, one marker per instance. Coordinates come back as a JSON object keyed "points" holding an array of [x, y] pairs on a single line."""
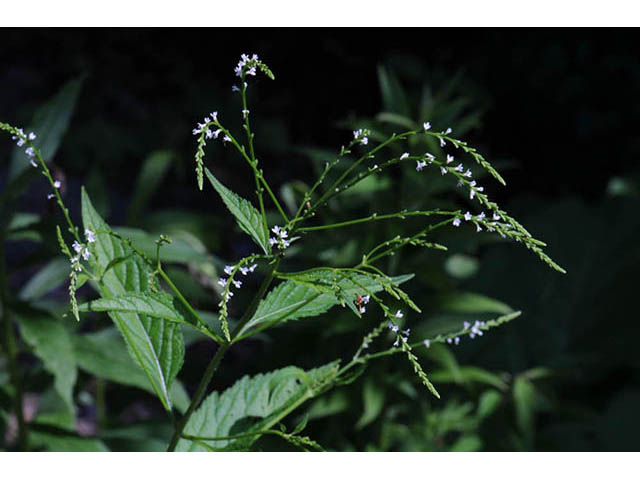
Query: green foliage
{"points": [[155, 344], [150, 304], [248, 218]]}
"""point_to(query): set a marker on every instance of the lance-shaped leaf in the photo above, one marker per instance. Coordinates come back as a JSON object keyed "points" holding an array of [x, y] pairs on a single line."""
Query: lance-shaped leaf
{"points": [[247, 216], [155, 344], [292, 300], [252, 404], [152, 304], [52, 343]]}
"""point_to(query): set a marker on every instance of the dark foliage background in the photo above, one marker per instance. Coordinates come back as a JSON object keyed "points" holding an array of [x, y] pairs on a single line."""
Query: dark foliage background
{"points": [[557, 109]]}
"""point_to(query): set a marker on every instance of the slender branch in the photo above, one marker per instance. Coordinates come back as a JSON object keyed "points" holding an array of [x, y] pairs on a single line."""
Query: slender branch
{"points": [[215, 361], [375, 217]]}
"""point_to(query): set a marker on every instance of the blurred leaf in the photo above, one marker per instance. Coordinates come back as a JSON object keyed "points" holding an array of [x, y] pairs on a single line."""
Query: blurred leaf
{"points": [[251, 404], [153, 171], [156, 345], [393, 96], [52, 343], [373, 397], [249, 219], [54, 442], [467, 302], [461, 266], [467, 443], [328, 405], [50, 124], [469, 374], [104, 354], [52, 275], [488, 402]]}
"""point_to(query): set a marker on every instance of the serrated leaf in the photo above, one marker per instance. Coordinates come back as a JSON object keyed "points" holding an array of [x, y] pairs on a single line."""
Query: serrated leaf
{"points": [[248, 217], [251, 404], [291, 300], [152, 304], [50, 124], [52, 344], [104, 354], [155, 344]]}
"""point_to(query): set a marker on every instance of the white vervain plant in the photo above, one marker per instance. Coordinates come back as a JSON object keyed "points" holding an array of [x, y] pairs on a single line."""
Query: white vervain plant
{"points": [[149, 316]]}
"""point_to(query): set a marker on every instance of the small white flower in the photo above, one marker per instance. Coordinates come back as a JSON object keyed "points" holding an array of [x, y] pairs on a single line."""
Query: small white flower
{"points": [[86, 254], [244, 270], [365, 345], [467, 173], [459, 184], [245, 112], [459, 168], [496, 217], [420, 166], [427, 343], [237, 283], [442, 142], [32, 136], [226, 138], [253, 267], [480, 189], [481, 216], [214, 116], [251, 71], [33, 163], [235, 88], [374, 167], [390, 324], [364, 141], [272, 241], [57, 184], [228, 269], [208, 133], [456, 340], [404, 339], [30, 152], [426, 126], [430, 156], [443, 170], [467, 216], [394, 328], [466, 325], [404, 155], [20, 142], [362, 309], [399, 314], [50, 196], [448, 131], [228, 295], [456, 222], [396, 343], [76, 246], [90, 236], [276, 230], [222, 282], [406, 332], [478, 228], [472, 183], [472, 194], [366, 298], [449, 158], [449, 340]]}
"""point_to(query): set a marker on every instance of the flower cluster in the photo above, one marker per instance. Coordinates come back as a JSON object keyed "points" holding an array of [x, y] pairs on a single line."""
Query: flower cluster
{"points": [[82, 250], [213, 119], [280, 238], [21, 139], [361, 302], [229, 270], [475, 329], [361, 135], [246, 65]]}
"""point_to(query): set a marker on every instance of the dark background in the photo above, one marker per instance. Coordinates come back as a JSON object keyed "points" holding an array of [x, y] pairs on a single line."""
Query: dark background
{"points": [[560, 106]]}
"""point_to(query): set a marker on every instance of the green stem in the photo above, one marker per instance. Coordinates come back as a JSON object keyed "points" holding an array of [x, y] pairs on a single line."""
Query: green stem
{"points": [[375, 217], [215, 361], [207, 330]]}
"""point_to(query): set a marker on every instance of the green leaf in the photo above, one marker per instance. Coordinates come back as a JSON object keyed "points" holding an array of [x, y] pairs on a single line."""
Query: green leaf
{"points": [[467, 302], [52, 275], [156, 305], [469, 374], [155, 344], [153, 171], [54, 442], [104, 354], [291, 300], [252, 404], [373, 402], [249, 219], [50, 124], [52, 344]]}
